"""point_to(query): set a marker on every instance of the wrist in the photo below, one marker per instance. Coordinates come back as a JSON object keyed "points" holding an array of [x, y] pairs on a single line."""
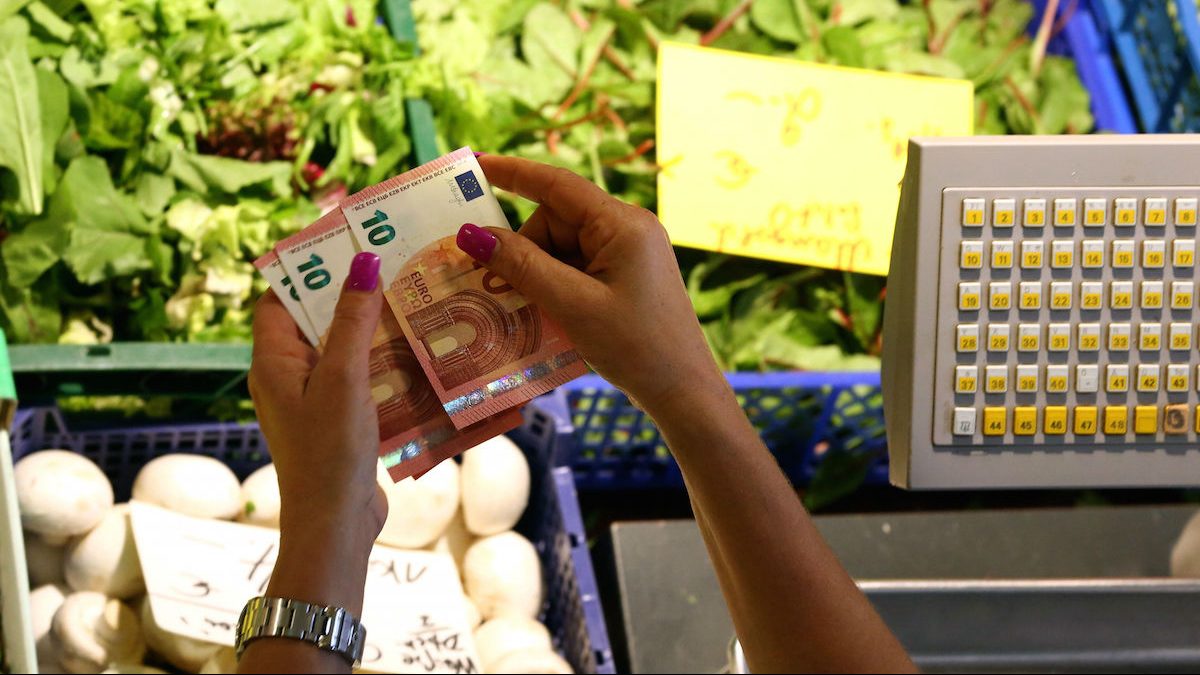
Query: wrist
{"points": [[322, 565]]}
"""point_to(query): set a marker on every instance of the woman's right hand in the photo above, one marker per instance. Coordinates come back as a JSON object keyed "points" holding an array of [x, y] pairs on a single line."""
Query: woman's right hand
{"points": [[606, 272]]}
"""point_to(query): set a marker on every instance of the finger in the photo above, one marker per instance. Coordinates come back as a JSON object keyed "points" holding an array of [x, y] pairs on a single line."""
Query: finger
{"points": [[575, 199], [546, 229], [280, 353], [348, 347], [560, 289]]}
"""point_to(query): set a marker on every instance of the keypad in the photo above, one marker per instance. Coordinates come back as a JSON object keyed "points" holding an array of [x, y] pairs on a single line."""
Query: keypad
{"points": [[1068, 317]]}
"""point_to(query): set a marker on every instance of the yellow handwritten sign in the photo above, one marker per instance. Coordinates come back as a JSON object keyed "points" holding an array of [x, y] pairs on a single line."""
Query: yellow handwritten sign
{"points": [[792, 161]]}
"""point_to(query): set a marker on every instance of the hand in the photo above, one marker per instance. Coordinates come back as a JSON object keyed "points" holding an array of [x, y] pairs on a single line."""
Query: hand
{"points": [[318, 416], [606, 272]]}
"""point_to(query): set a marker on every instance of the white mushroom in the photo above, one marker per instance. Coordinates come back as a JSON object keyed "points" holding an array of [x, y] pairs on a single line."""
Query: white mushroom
{"points": [[260, 498], [500, 636], [535, 661], [474, 618], [93, 631], [133, 669], [224, 661], [419, 510], [495, 486], [44, 561], [105, 560], [502, 575], [61, 494], [455, 540], [44, 602], [193, 485], [1185, 555], [183, 652]]}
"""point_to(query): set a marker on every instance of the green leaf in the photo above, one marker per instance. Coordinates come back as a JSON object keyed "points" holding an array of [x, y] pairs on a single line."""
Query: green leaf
{"points": [[713, 301], [242, 16], [28, 253], [29, 315], [202, 172], [923, 64], [843, 47], [154, 192], [10, 7], [86, 195], [95, 255], [50, 23], [550, 41], [112, 125], [20, 128], [854, 12], [781, 19], [52, 100]]}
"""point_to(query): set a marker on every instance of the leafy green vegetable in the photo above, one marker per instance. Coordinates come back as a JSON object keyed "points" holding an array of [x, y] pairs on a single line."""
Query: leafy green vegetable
{"points": [[20, 128]]}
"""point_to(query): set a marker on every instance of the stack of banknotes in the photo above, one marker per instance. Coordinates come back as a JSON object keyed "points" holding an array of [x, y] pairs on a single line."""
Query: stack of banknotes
{"points": [[457, 351]]}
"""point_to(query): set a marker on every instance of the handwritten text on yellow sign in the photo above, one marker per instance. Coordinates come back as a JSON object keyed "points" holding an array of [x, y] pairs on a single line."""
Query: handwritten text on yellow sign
{"points": [[791, 161]]}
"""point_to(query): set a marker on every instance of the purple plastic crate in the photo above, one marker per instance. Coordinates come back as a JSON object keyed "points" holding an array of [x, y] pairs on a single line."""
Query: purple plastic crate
{"points": [[571, 609], [802, 416]]}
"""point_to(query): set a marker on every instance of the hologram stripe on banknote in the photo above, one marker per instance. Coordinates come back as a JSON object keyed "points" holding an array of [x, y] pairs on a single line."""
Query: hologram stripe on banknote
{"points": [[482, 345]]}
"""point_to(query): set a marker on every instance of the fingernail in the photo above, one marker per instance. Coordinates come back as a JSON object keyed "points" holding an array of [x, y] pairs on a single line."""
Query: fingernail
{"points": [[479, 154], [477, 242], [364, 272]]}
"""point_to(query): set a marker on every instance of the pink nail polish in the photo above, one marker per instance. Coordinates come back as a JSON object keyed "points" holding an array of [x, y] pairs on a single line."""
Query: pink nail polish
{"points": [[479, 154], [477, 242], [364, 272]]}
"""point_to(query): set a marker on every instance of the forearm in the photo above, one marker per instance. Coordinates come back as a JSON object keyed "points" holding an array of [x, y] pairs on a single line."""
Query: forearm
{"points": [[793, 605], [318, 566]]}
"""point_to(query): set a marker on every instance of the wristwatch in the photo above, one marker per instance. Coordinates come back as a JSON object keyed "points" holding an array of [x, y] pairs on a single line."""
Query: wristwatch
{"points": [[329, 628]]}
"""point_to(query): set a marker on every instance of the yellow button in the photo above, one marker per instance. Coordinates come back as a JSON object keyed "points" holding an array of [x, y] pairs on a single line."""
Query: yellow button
{"points": [[1198, 419], [1024, 421], [1185, 217], [1126, 216], [1145, 419], [1003, 217], [1184, 258], [1085, 420], [968, 343], [995, 421], [1116, 419], [1055, 420]]}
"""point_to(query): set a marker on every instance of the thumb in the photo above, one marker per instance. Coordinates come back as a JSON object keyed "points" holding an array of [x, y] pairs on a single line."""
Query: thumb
{"points": [[354, 320], [554, 285]]}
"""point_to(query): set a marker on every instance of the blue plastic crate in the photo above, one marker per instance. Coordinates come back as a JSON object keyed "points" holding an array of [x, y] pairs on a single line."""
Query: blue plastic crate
{"points": [[801, 416], [1158, 42], [571, 609], [1084, 40]]}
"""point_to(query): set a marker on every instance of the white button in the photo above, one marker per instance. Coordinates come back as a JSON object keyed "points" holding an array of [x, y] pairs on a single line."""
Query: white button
{"points": [[968, 337], [1059, 337], [1031, 254], [1118, 337], [1035, 212], [972, 213], [1156, 211], [1152, 295], [1178, 375], [1002, 254], [1091, 295], [1004, 212], [1184, 252], [1180, 337], [1093, 253], [1087, 378], [968, 295], [1060, 295], [1121, 295], [1031, 295], [1056, 379], [964, 422], [1062, 254], [1182, 293], [1029, 337], [1147, 377], [998, 337], [1150, 336], [1027, 378], [1000, 295], [1122, 253], [965, 379], [1095, 212], [1126, 211], [1117, 378], [1185, 211], [1089, 337], [971, 255], [997, 379], [1064, 211], [1154, 253]]}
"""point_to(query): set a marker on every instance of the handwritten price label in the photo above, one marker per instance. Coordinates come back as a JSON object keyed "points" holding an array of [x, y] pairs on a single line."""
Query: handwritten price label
{"points": [[199, 574], [792, 161]]}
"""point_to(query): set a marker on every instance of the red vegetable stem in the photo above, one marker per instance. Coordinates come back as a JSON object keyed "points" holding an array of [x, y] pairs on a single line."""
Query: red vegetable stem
{"points": [[727, 21], [640, 150]]}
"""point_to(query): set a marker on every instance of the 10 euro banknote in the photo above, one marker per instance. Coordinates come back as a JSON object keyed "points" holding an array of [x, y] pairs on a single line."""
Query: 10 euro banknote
{"points": [[457, 350]]}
